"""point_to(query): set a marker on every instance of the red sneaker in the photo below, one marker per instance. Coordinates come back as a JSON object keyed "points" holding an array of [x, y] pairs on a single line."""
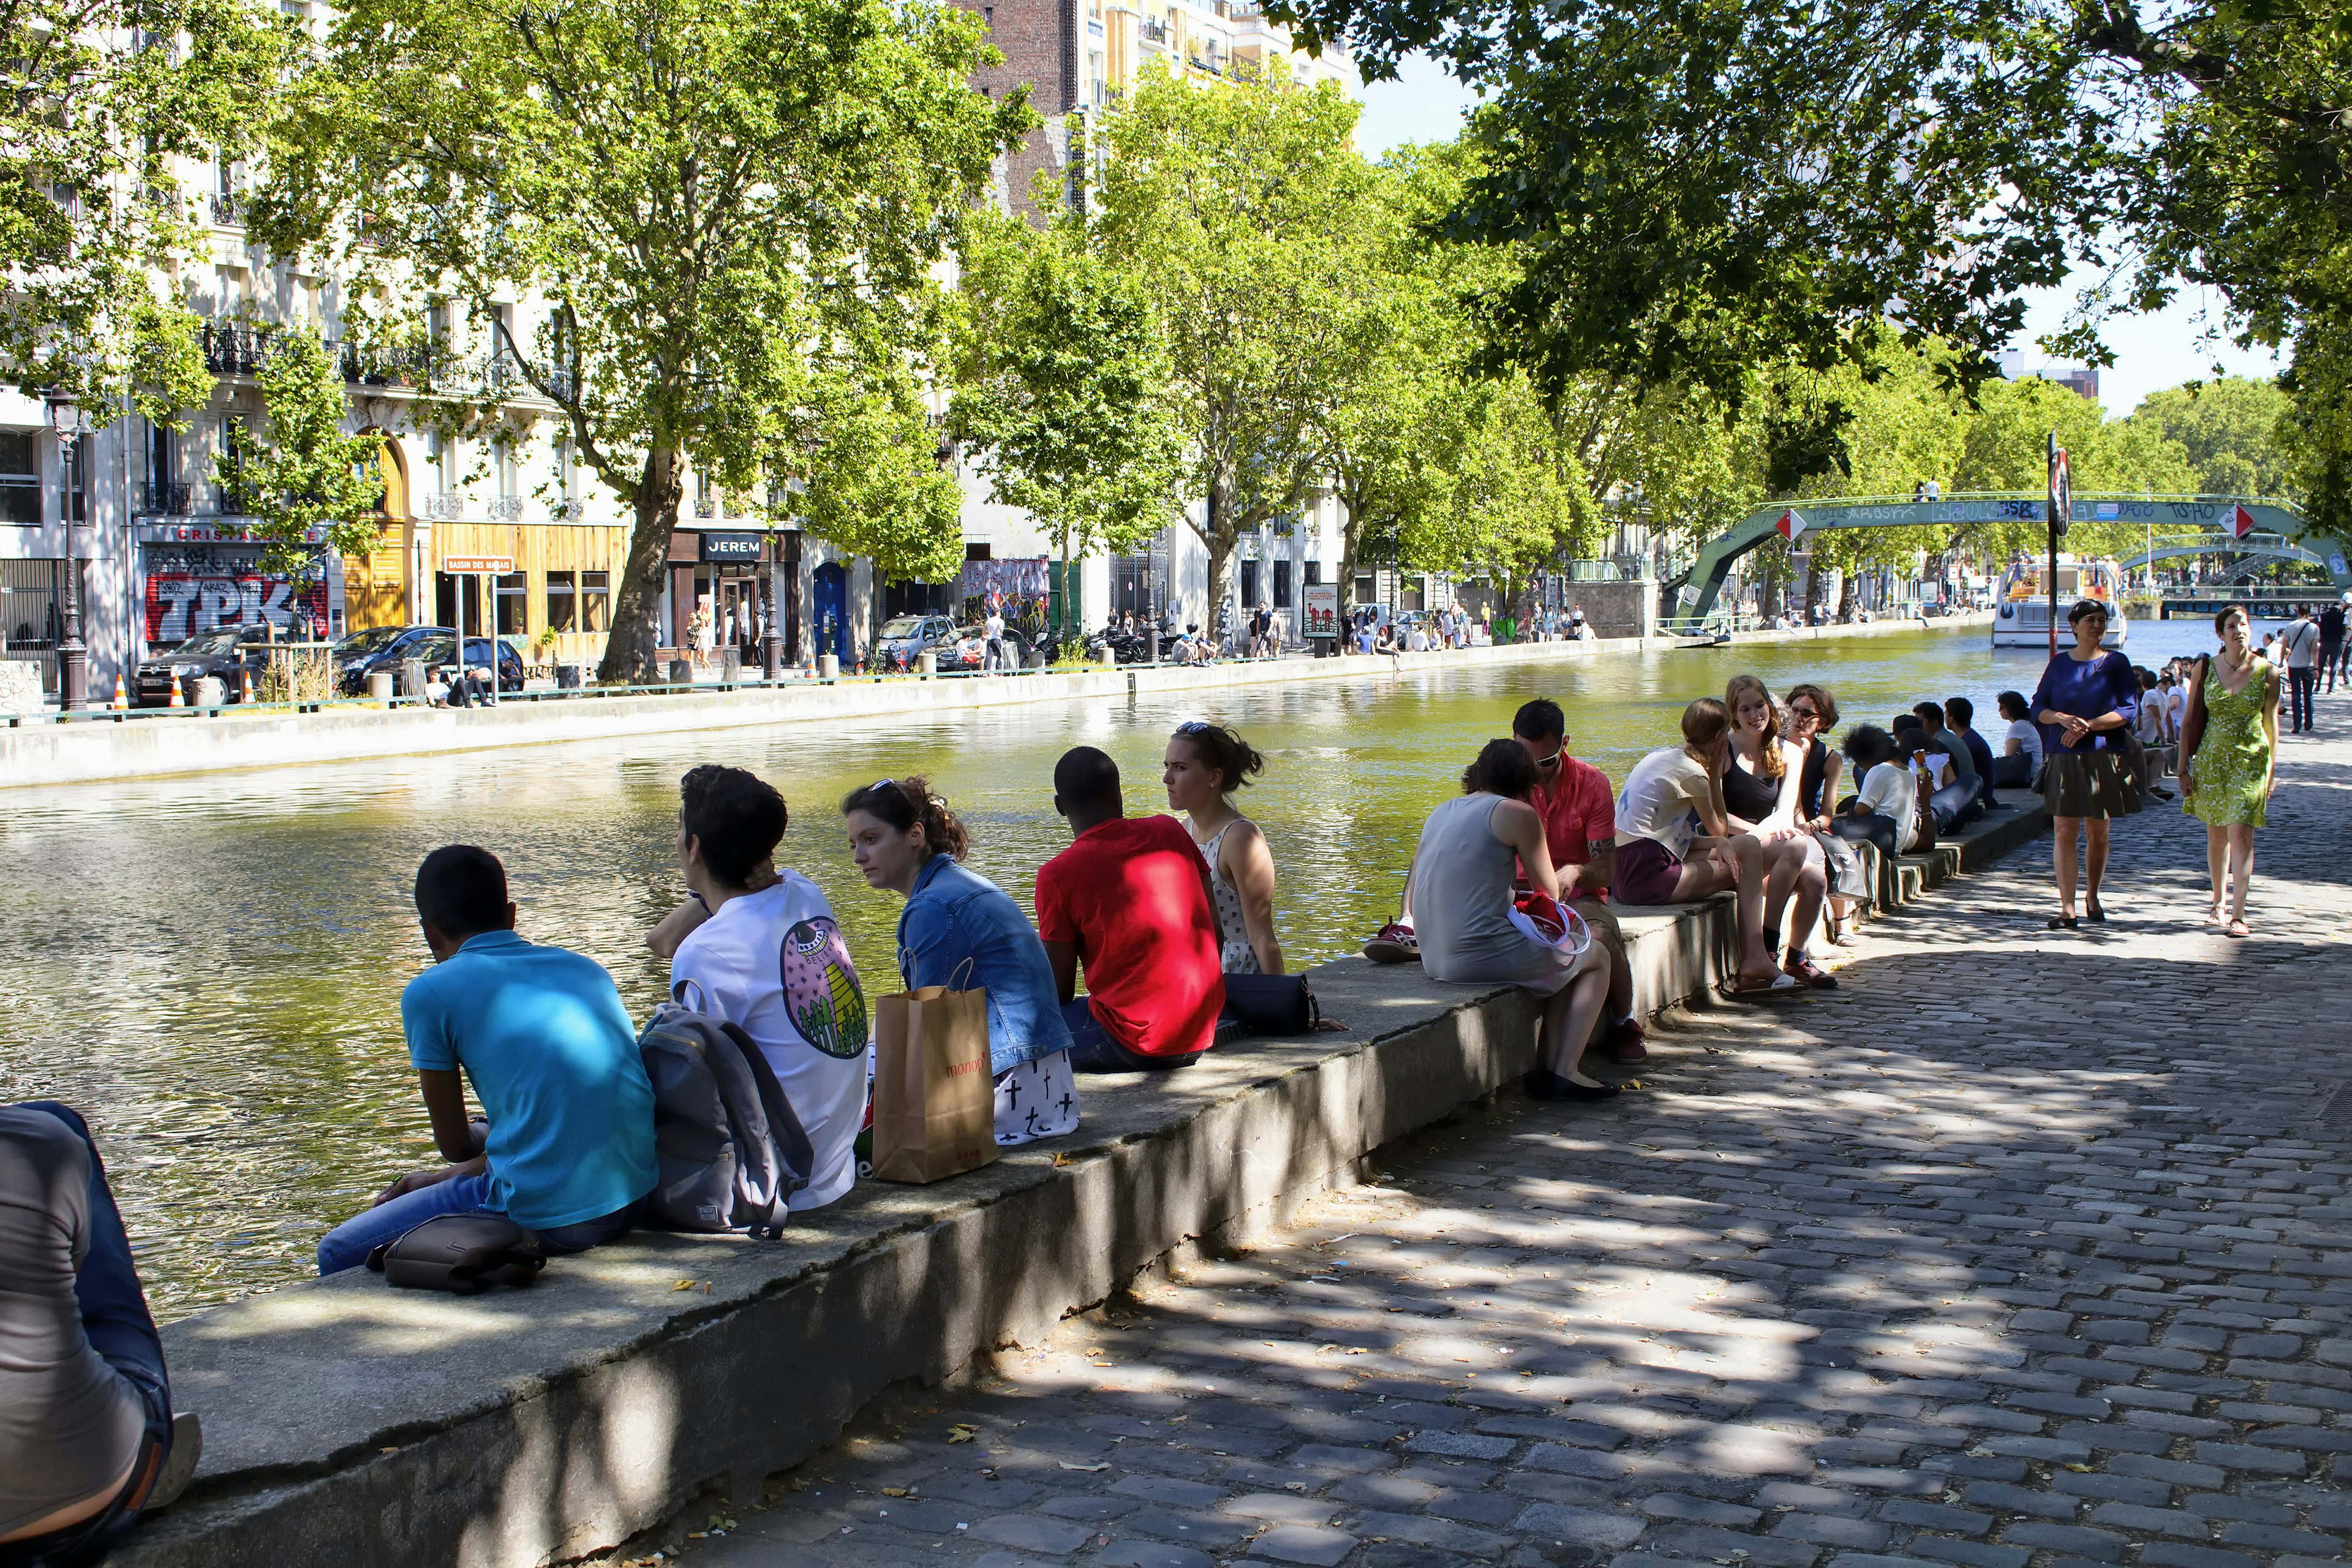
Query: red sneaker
{"points": [[1624, 1043], [1394, 944]]}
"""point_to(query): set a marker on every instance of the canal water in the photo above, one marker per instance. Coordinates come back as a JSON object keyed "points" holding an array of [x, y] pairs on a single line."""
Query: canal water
{"points": [[211, 969]]}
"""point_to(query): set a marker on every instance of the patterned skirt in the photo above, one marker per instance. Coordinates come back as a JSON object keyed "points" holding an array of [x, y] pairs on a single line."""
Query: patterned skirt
{"points": [[2088, 783]]}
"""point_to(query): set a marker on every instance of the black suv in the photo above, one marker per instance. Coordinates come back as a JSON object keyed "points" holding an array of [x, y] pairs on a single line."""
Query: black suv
{"points": [[228, 652]]}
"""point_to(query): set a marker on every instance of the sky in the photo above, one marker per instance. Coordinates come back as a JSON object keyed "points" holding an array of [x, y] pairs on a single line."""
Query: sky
{"points": [[2152, 351]]}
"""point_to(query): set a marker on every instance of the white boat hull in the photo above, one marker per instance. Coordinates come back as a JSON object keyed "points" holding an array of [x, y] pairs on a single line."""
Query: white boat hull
{"points": [[2026, 624]]}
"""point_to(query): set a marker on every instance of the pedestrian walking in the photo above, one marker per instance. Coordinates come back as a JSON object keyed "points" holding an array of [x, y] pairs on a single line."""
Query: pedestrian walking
{"points": [[2087, 696], [2331, 640], [2299, 645], [2229, 751]]}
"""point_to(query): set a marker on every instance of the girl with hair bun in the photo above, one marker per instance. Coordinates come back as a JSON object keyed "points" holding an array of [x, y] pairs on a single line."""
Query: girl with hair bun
{"points": [[961, 931], [1202, 766]]}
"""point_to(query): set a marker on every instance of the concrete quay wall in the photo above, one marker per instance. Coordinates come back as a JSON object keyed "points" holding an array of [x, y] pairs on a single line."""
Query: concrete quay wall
{"points": [[153, 745], [348, 1422]]}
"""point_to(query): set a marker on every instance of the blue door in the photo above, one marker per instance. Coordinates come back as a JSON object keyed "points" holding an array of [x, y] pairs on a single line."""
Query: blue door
{"points": [[832, 594]]}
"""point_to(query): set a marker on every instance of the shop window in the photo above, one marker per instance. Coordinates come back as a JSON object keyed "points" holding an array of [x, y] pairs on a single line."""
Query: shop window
{"points": [[563, 597], [595, 601], [1282, 584], [513, 615], [20, 479]]}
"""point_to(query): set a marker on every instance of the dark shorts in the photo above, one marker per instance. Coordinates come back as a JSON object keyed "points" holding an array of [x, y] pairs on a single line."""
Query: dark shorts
{"points": [[1647, 873], [1094, 1048]]}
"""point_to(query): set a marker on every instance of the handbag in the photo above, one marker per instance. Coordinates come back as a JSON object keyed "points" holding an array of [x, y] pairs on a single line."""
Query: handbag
{"points": [[1847, 879], [1550, 924], [934, 1096], [1273, 1004], [465, 1253]]}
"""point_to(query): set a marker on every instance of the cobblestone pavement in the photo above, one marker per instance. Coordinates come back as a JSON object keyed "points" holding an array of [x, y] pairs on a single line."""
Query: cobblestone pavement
{"points": [[2023, 1250]]}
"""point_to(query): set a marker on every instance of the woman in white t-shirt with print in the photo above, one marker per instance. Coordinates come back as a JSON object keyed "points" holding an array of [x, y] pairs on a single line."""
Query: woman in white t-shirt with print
{"points": [[2021, 746], [1886, 808], [1674, 845]]}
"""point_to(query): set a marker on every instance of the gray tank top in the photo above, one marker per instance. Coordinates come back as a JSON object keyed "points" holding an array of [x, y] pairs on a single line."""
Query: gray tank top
{"points": [[1461, 891]]}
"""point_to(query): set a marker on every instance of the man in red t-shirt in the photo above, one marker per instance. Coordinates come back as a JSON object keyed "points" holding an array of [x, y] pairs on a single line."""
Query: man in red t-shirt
{"points": [[1579, 806], [1129, 900]]}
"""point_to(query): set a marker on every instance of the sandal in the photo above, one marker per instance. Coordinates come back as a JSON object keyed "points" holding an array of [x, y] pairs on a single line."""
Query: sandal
{"points": [[2213, 915], [2096, 913], [2063, 922], [2240, 930], [1811, 974], [1781, 984]]}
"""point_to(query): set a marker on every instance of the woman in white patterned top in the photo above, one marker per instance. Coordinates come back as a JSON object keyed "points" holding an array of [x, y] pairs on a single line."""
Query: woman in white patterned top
{"points": [[1204, 765]]}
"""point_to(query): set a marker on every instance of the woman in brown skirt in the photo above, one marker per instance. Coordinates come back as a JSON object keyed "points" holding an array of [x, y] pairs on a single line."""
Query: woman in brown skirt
{"points": [[2086, 701]]}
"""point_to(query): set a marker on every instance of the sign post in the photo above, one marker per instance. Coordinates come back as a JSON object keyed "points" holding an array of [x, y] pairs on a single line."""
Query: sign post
{"points": [[2062, 514], [485, 570]]}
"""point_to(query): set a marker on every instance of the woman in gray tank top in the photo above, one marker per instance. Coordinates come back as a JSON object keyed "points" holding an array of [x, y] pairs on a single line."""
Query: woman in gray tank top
{"points": [[1202, 766], [1458, 897]]}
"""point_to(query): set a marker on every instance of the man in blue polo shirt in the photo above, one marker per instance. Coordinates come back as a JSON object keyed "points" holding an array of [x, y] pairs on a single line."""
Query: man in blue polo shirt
{"points": [[542, 1034]]}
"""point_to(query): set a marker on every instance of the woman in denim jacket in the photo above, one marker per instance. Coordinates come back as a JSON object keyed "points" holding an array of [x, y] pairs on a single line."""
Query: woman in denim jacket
{"points": [[961, 931]]}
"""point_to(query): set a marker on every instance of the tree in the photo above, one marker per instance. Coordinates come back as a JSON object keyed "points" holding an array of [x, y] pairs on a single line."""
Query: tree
{"points": [[306, 475], [1517, 503], [1235, 201], [1063, 384], [2226, 429], [730, 209], [98, 97]]}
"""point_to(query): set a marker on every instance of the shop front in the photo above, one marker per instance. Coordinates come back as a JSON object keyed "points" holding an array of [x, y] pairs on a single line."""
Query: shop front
{"points": [[720, 579], [195, 576]]}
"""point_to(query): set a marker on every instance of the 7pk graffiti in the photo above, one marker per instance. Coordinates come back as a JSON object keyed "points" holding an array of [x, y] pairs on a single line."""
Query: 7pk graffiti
{"points": [[182, 604]]}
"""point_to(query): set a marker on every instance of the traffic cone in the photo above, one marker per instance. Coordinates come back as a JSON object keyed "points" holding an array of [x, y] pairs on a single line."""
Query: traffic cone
{"points": [[121, 696], [248, 686], [175, 702]]}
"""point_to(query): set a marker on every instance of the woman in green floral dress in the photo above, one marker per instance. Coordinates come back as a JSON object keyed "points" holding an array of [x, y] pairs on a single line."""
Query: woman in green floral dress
{"points": [[2231, 740]]}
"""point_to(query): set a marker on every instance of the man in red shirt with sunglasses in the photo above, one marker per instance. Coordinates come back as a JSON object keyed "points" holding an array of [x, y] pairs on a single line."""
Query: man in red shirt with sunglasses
{"points": [[1579, 806]]}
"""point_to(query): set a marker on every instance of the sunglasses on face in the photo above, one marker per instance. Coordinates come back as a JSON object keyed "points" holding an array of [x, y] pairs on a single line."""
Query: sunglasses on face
{"points": [[1804, 713], [1551, 761]]}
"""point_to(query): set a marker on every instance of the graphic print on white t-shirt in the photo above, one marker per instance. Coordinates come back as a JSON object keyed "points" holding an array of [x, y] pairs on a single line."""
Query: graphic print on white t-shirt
{"points": [[773, 962]]}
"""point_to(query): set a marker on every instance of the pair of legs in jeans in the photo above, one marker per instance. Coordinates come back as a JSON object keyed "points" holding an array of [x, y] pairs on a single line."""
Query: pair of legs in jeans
{"points": [[115, 1321], [2299, 683], [1094, 1048], [347, 1245]]}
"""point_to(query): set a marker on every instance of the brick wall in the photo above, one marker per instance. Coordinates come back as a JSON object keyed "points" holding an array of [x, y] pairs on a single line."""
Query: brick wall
{"points": [[1038, 40]]}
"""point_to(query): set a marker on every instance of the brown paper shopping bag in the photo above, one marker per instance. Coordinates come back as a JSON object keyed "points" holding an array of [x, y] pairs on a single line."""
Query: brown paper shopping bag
{"points": [[934, 1098]]}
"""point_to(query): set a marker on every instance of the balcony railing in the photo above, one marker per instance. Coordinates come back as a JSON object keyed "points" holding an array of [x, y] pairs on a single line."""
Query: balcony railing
{"points": [[704, 506], [566, 511], [426, 367], [506, 509], [234, 348], [228, 208], [1155, 33], [446, 505], [164, 500]]}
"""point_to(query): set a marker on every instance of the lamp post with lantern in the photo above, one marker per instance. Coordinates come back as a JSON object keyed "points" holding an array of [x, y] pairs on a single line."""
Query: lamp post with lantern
{"points": [[70, 424]]}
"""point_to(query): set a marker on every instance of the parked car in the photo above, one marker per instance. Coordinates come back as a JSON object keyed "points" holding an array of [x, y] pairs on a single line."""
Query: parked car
{"points": [[389, 647], [226, 652], [439, 653], [904, 638]]}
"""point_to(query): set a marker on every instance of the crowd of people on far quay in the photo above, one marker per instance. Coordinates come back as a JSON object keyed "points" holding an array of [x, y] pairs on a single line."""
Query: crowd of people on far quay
{"points": [[1170, 920]]}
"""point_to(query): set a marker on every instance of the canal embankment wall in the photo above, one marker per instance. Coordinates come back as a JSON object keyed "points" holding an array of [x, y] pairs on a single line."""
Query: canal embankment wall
{"points": [[42, 750], [348, 1422]]}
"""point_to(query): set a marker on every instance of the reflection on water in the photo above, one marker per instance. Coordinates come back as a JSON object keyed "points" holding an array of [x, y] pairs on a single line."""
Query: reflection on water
{"points": [[211, 969]]}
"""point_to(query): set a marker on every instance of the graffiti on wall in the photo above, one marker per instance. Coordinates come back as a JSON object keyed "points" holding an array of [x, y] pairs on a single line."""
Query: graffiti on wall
{"points": [[182, 604]]}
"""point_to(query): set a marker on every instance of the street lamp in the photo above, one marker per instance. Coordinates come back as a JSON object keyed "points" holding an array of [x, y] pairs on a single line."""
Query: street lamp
{"points": [[70, 424]]}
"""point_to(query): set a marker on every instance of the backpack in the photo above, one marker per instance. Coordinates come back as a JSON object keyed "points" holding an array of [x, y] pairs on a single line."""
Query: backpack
{"points": [[729, 1149], [467, 1253]]}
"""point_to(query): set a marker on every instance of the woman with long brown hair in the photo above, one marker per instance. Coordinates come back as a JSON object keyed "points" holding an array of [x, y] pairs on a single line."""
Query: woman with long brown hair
{"points": [[1762, 778]]}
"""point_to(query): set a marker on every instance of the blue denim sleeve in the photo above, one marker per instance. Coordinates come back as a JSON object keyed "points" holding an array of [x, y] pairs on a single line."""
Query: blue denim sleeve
{"points": [[931, 943]]}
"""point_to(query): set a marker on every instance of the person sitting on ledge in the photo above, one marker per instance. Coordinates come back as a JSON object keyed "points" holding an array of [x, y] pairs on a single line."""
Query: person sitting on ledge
{"points": [[1128, 900], [1959, 714], [1674, 845], [771, 961], [2021, 746], [1886, 810], [541, 1033], [88, 1440]]}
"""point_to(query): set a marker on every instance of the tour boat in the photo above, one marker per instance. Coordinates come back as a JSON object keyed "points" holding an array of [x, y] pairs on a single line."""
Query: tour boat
{"points": [[2021, 614]]}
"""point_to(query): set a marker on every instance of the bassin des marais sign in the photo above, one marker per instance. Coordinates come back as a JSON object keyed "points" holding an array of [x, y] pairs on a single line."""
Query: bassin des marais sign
{"points": [[732, 546]]}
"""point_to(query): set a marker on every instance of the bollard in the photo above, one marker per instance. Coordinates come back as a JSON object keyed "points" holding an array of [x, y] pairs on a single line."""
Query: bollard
{"points": [[1109, 658], [379, 685], [928, 661], [828, 666], [681, 672], [211, 691]]}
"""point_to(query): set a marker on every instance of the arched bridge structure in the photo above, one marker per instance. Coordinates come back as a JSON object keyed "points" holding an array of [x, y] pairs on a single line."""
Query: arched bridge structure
{"points": [[2285, 527], [2250, 553]]}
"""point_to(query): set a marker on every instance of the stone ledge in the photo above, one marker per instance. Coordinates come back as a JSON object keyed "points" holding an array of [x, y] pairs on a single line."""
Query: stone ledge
{"points": [[345, 1422]]}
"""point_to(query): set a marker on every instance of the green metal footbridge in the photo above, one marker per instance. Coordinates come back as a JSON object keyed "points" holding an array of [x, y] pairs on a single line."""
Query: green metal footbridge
{"points": [[2280, 530]]}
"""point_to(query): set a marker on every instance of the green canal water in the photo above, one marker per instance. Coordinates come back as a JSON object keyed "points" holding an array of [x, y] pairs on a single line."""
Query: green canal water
{"points": [[211, 969]]}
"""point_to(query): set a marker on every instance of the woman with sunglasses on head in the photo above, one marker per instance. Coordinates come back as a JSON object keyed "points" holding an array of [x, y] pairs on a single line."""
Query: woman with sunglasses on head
{"points": [[1202, 766], [2228, 761], [961, 931], [1812, 714], [1762, 778], [2087, 698]]}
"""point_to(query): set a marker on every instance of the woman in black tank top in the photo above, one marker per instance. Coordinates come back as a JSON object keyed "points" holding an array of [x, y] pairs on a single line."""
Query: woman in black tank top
{"points": [[1754, 777]]}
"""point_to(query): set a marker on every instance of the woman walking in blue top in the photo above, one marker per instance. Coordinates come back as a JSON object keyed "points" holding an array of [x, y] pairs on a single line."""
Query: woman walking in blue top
{"points": [[961, 931], [2086, 701]]}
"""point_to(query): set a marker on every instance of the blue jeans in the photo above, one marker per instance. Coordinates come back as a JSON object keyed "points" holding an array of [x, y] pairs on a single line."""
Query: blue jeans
{"points": [[1094, 1048], [115, 1321], [347, 1245]]}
